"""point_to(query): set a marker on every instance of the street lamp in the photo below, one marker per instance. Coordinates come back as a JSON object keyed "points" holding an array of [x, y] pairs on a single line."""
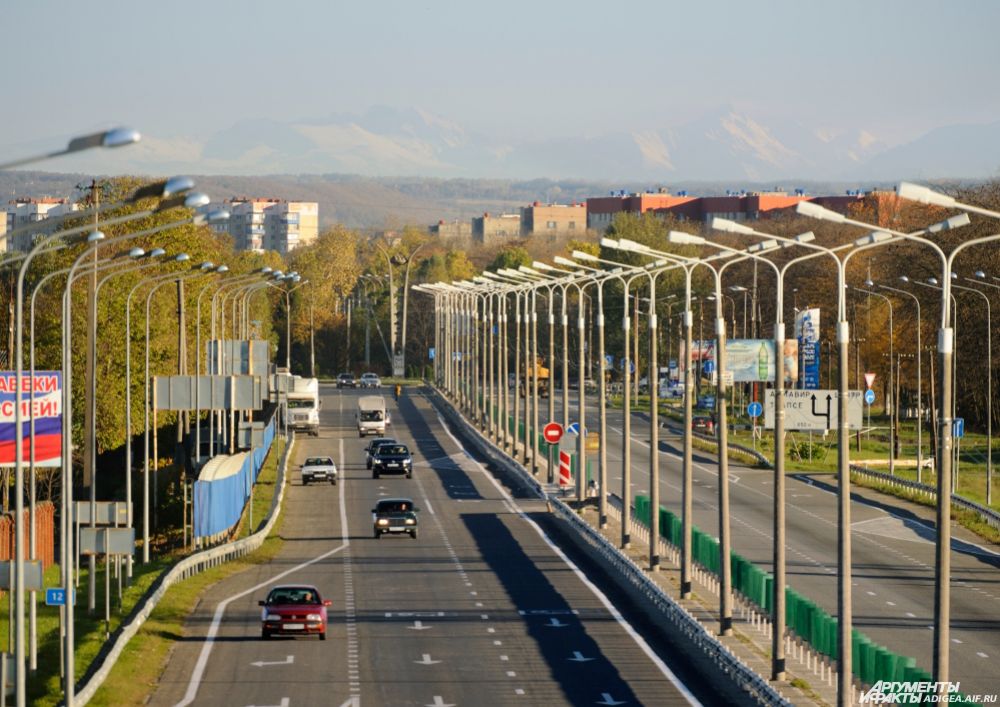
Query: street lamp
{"points": [[117, 137], [893, 411], [980, 275], [920, 370], [946, 343]]}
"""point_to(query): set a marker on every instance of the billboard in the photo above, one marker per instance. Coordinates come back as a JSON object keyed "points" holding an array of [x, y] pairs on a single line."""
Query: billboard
{"points": [[807, 334], [752, 360], [41, 396]]}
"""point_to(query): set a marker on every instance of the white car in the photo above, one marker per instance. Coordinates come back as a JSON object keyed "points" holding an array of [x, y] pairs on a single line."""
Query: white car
{"points": [[370, 380], [319, 469]]}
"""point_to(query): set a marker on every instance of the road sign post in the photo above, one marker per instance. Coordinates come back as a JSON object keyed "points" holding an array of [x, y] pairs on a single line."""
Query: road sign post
{"points": [[565, 476], [552, 432], [814, 410]]}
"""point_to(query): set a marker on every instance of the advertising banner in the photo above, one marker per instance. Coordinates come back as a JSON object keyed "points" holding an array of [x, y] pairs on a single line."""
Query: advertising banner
{"points": [[807, 334], [752, 360], [41, 396]]}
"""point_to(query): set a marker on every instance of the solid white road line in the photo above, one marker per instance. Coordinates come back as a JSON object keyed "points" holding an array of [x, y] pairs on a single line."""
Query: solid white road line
{"points": [[220, 610], [639, 640]]}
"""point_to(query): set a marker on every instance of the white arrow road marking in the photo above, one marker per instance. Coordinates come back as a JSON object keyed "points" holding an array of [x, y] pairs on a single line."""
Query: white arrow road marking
{"points": [[352, 701], [418, 626], [287, 661], [426, 660], [607, 699], [220, 609], [665, 671], [438, 702], [556, 623], [284, 703], [579, 658]]}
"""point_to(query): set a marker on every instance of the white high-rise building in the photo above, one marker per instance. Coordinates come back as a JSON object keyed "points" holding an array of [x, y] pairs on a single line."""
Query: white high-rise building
{"points": [[25, 211], [271, 224]]}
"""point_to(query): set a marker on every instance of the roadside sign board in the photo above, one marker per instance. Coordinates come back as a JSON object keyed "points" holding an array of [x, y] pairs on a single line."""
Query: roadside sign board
{"points": [[55, 596], [32, 575], [814, 410], [869, 380], [552, 432], [574, 428], [708, 367], [565, 478], [431, 353], [754, 409], [869, 396], [958, 427], [107, 541]]}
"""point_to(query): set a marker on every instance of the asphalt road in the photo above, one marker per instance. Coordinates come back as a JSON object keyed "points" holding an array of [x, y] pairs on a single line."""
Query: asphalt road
{"points": [[480, 609], [892, 549]]}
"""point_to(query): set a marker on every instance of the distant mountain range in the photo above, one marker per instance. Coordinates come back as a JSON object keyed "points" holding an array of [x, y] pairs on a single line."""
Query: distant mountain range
{"points": [[443, 171], [725, 145]]}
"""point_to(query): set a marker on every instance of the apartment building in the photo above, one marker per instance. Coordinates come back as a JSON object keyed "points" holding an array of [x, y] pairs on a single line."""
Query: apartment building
{"points": [[496, 229], [261, 224], [735, 206], [601, 210], [553, 220], [25, 211], [452, 232]]}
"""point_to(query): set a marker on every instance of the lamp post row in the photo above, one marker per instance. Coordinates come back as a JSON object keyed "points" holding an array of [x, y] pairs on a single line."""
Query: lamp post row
{"points": [[467, 366]]}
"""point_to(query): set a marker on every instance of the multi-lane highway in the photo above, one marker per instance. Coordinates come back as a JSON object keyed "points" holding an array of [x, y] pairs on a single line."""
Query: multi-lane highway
{"points": [[893, 551], [481, 609]]}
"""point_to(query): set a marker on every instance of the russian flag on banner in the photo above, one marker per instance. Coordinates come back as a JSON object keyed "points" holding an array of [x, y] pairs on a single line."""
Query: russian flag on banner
{"points": [[41, 397]]}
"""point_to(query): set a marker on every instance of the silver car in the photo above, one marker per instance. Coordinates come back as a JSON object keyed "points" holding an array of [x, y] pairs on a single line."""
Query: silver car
{"points": [[370, 380]]}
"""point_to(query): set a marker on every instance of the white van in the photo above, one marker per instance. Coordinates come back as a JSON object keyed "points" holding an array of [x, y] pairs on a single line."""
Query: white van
{"points": [[372, 416]]}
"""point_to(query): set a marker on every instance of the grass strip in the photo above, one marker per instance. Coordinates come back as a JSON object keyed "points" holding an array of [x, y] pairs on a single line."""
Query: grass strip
{"points": [[136, 674]]}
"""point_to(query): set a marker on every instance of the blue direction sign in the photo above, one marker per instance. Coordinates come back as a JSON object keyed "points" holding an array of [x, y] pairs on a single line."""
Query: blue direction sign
{"points": [[958, 427], [754, 409], [869, 396], [431, 353], [55, 596], [574, 429], [708, 367]]}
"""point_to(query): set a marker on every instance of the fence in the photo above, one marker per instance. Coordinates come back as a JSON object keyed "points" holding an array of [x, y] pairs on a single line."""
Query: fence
{"points": [[987, 514], [188, 567], [627, 572], [45, 539], [219, 502], [810, 623]]}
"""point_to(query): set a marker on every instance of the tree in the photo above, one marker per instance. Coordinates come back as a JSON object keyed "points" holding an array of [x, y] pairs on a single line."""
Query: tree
{"points": [[510, 257]]}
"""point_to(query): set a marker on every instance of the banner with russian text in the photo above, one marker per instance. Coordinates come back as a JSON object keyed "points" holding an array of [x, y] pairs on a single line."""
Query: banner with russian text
{"points": [[41, 396]]}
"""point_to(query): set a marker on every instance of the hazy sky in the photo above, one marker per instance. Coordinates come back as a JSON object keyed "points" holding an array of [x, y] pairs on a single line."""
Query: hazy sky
{"points": [[182, 71]]}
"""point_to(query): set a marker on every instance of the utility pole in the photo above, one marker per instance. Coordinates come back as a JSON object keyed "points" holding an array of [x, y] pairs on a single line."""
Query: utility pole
{"points": [[90, 417]]}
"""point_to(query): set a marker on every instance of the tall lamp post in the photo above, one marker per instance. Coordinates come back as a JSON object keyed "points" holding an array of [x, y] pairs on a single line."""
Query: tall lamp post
{"points": [[942, 590], [893, 411], [920, 375]]}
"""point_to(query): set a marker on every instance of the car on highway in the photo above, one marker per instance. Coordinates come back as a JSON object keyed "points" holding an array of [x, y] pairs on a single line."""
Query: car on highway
{"points": [[293, 610], [318, 469], [370, 380], [346, 380], [370, 449], [392, 459], [394, 515], [703, 424]]}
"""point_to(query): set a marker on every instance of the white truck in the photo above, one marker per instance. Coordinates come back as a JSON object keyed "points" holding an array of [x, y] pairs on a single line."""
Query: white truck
{"points": [[372, 415], [303, 405]]}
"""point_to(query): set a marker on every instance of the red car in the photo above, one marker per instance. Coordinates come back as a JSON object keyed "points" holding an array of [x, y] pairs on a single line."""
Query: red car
{"points": [[703, 424], [293, 610]]}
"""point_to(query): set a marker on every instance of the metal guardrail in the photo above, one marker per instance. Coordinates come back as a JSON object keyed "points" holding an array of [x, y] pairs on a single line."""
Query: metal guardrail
{"points": [[742, 675], [188, 567], [987, 514], [734, 447]]}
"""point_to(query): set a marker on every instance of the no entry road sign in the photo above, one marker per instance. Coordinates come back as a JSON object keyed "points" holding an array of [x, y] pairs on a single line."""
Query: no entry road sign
{"points": [[552, 432]]}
